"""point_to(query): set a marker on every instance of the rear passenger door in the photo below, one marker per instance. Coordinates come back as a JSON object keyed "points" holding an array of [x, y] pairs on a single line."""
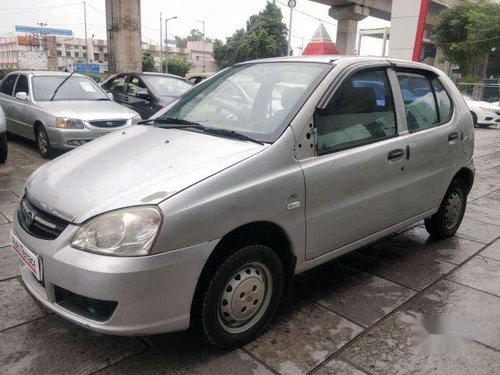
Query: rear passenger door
{"points": [[354, 184], [433, 139]]}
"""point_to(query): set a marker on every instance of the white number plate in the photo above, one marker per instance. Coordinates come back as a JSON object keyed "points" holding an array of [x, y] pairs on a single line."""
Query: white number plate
{"points": [[28, 258]]}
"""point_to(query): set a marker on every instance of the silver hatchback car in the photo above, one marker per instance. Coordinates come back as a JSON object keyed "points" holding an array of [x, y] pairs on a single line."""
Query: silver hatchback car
{"points": [[228, 195], [60, 110]]}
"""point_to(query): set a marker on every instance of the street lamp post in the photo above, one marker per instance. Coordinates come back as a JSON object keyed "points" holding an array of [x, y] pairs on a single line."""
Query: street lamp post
{"points": [[203, 56], [166, 42], [291, 5]]}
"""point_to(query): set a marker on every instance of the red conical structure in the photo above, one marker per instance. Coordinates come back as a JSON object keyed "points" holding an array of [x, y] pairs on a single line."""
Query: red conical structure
{"points": [[320, 43]]}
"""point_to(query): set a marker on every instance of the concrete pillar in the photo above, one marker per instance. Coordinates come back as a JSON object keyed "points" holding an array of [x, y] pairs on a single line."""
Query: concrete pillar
{"points": [[404, 21], [347, 27], [123, 25]]}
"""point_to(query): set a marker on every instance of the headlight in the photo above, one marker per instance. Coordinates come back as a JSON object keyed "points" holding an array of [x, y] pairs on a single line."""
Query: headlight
{"points": [[126, 232], [69, 123], [136, 119]]}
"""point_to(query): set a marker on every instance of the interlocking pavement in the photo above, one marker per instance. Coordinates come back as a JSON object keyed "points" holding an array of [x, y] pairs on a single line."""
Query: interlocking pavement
{"points": [[361, 314]]}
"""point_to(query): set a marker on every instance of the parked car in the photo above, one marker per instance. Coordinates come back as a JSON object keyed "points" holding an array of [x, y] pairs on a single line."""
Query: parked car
{"points": [[145, 93], [483, 113], [196, 78], [222, 205], [3, 138], [60, 110]]}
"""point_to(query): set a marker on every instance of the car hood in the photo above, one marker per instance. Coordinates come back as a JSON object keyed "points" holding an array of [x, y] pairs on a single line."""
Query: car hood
{"points": [[142, 165], [88, 110]]}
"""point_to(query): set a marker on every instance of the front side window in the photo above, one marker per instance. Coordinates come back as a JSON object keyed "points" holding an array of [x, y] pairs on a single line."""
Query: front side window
{"points": [[22, 85], [167, 86], [253, 99], [8, 84], [360, 112], [420, 105], [75, 88]]}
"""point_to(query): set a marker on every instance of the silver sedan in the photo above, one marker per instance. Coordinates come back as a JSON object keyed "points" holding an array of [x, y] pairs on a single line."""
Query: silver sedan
{"points": [[60, 110]]}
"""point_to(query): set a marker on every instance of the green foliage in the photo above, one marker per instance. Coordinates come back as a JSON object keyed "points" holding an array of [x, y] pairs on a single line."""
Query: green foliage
{"points": [[148, 62], [4, 72], [177, 65], [265, 36], [466, 32]]}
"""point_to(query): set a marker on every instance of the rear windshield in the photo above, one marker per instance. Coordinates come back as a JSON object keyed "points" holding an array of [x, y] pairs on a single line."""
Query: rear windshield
{"points": [[75, 88]]}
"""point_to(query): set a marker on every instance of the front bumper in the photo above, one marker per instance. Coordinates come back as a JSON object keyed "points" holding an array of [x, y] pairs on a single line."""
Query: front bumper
{"points": [[487, 118], [153, 293], [72, 138]]}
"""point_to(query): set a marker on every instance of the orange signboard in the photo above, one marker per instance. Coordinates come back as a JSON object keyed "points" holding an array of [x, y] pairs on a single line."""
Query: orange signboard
{"points": [[27, 40]]}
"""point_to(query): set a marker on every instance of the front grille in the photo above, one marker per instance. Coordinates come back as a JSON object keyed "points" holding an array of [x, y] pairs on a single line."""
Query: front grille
{"points": [[39, 223], [87, 307], [108, 123]]}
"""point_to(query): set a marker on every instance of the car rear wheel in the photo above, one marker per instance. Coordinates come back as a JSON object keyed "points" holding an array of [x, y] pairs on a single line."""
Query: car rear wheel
{"points": [[3, 147], [242, 297], [445, 223], [43, 142]]}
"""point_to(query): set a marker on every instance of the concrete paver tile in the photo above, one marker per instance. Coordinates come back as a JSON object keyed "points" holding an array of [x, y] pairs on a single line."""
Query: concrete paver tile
{"points": [[5, 234], [492, 251], [9, 264], [54, 346], [480, 273], [16, 306], [9, 210], [338, 367], [477, 231], [359, 296], [302, 337]]}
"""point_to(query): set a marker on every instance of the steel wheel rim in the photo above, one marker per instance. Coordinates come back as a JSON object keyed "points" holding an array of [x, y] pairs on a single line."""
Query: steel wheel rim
{"points": [[42, 142], [453, 210], [245, 298]]}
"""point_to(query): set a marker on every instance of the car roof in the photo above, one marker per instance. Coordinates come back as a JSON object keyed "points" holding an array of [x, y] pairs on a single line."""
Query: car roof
{"points": [[47, 73], [152, 74]]}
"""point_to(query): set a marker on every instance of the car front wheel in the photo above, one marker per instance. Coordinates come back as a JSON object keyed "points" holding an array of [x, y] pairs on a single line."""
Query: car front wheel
{"points": [[444, 223], [242, 297], [43, 143]]}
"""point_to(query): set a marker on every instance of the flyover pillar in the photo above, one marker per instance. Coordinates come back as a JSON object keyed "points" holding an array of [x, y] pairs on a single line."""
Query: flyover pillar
{"points": [[123, 25], [348, 17]]}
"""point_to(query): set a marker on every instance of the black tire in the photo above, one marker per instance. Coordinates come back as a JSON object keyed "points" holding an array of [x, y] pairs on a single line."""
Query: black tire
{"points": [[43, 142], [445, 223], [3, 147], [483, 125], [214, 318], [474, 118]]}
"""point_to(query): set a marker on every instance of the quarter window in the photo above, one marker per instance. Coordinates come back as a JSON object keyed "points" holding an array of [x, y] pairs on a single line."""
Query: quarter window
{"points": [[8, 84], [360, 112], [443, 100], [420, 104]]}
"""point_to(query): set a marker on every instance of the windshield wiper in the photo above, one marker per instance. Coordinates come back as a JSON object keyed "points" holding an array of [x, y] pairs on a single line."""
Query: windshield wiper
{"points": [[59, 86], [177, 123], [103, 99]]}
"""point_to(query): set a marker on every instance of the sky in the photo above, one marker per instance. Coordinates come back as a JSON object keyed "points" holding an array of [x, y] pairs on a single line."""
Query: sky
{"points": [[222, 18]]}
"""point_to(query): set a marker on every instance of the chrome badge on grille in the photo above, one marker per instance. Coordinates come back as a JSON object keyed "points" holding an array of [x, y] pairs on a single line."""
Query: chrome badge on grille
{"points": [[30, 216]]}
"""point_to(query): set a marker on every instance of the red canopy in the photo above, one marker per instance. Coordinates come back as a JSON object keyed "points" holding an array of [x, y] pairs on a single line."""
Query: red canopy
{"points": [[320, 43]]}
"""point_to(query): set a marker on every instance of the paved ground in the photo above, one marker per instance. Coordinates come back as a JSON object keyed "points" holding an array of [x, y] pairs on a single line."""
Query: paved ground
{"points": [[361, 314]]}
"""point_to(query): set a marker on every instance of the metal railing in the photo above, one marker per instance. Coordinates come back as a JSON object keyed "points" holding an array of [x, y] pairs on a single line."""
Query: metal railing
{"points": [[489, 92]]}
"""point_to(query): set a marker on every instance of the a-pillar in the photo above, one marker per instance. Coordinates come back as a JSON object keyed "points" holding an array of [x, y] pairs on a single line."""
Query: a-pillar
{"points": [[347, 27], [123, 24]]}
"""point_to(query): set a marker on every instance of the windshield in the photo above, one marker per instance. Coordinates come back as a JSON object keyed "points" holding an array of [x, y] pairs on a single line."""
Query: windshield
{"points": [[257, 100], [75, 88], [167, 86]]}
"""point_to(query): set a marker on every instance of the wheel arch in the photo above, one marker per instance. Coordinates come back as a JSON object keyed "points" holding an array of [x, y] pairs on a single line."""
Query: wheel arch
{"points": [[261, 232], [466, 177]]}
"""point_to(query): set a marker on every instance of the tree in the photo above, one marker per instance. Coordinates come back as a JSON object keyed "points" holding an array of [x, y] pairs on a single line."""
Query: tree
{"points": [[466, 32], [148, 62], [177, 65], [194, 36], [264, 36]]}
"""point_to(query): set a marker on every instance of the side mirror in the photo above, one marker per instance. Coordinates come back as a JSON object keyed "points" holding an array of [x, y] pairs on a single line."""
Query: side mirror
{"points": [[22, 96], [143, 94], [110, 95]]}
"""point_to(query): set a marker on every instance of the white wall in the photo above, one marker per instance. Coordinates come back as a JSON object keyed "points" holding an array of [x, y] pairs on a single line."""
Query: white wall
{"points": [[404, 23]]}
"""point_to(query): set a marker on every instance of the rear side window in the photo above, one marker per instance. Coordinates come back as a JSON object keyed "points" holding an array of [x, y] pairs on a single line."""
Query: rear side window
{"points": [[8, 84], [22, 85], [420, 104], [445, 109], [360, 112]]}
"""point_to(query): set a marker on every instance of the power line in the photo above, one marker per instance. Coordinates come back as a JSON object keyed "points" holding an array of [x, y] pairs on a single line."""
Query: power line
{"points": [[97, 10], [308, 15]]}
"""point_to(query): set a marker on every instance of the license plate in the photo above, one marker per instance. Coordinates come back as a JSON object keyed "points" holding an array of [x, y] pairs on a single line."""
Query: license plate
{"points": [[27, 257], [103, 133]]}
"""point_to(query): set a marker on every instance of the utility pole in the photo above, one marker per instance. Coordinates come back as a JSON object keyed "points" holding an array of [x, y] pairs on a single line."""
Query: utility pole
{"points": [[166, 42], [291, 5], [85, 22], [43, 36], [203, 56], [161, 45]]}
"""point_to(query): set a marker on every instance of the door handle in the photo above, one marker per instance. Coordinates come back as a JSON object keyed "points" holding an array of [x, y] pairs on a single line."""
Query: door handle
{"points": [[452, 136], [395, 154]]}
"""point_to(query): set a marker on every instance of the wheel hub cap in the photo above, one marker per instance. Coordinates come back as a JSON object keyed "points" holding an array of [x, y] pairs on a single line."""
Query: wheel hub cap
{"points": [[244, 298], [453, 210], [42, 142]]}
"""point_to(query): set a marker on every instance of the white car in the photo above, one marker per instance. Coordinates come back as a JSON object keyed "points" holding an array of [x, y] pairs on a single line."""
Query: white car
{"points": [[483, 113]]}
